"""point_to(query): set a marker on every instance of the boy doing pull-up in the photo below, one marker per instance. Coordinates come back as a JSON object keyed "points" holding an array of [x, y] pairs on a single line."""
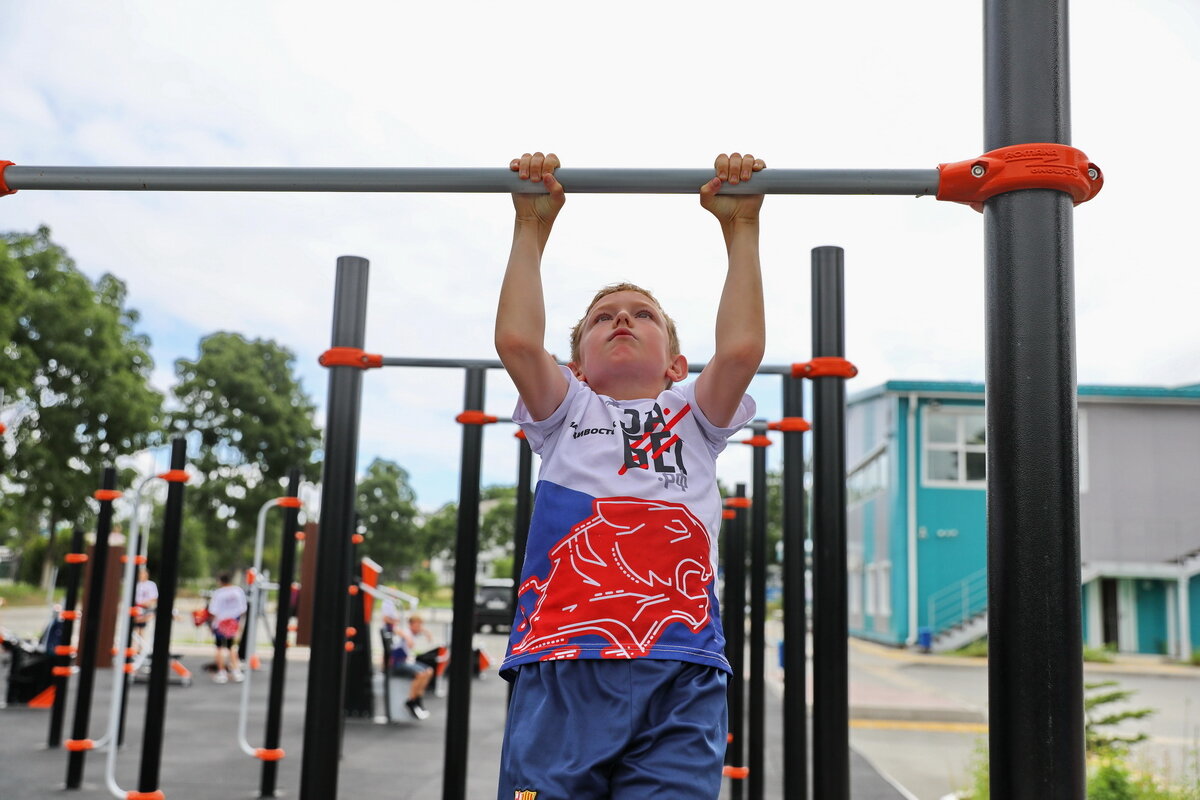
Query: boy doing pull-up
{"points": [[616, 652]]}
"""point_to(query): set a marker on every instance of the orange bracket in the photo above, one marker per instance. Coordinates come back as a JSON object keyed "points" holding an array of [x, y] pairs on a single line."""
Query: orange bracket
{"points": [[357, 538], [175, 476], [75, 558], [728, 513], [64, 650], [520, 434], [288, 502], [758, 441], [273, 754], [2, 428], [61, 672], [825, 367], [155, 795], [69, 615], [106, 494], [351, 632], [4, 186], [78, 745], [299, 536], [1043, 165], [790, 425], [350, 357], [475, 418], [737, 773], [737, 502]]}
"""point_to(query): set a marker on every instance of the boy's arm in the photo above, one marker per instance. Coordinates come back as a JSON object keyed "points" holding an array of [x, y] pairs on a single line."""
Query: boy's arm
{"points": [[741, 326], [521, 313]]}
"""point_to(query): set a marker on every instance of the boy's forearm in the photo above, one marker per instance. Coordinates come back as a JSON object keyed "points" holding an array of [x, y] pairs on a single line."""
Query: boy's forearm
{"points": [[521, 314], [741, 325]]}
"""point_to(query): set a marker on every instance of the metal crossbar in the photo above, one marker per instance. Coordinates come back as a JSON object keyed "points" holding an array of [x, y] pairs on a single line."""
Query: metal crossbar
{"points": [[914, 182]]}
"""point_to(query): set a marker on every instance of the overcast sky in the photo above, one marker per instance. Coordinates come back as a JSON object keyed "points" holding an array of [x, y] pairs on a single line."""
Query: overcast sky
{"points": [[870, 84]]}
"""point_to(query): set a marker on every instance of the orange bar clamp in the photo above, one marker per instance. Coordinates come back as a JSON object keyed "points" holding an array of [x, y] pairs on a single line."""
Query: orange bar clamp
{"points": [[737, 502], [288, 502], [106, 494], [78, 745], [758, 441], [737, 773], [4, 186], [350, 357], [175, 476], [475, 418], [790, 425], [272, 754], [155, 795], [825, 367], [75, 558], [1043, 165]]}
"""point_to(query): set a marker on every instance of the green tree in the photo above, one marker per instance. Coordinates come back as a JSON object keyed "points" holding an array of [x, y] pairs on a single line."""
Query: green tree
{"points": [[387, 509], [76, 383], [252, 421]]}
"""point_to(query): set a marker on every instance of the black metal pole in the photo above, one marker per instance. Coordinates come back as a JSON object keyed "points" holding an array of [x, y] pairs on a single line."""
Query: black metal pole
{"points": [[1035, 675], [756, 741], [125, 677], [62, 658], [458, 704], [92, 609], [323, 711], [524, 513], [795, 619], [168, 576], [735, 636], [283, 613], [831, 701]]}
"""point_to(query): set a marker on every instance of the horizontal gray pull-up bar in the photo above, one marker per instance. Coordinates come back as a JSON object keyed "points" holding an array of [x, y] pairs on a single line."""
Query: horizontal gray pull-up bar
{"points": [[467, 179], [487, 363]]}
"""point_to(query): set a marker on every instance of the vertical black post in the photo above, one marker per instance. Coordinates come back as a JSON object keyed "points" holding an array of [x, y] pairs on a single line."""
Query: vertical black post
{"points": [[136, 549], [795, 621], [1035, 679], [283, 613], [756, 741], [168, 576], [323, 711], [523, 514], [458, 704], [91, 629], [735, 635], [831, 701], [63, 662]]}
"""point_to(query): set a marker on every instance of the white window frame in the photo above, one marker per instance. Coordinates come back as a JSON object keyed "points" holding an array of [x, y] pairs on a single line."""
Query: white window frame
{"points": [[959, 446], [883, 594]]}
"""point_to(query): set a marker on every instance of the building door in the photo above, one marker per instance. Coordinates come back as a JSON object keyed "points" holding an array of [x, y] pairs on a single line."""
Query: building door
{"points": [[1109, 614]]}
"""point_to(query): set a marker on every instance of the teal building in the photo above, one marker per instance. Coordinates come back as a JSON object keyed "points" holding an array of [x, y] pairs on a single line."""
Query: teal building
{"points": [[917, 535]]}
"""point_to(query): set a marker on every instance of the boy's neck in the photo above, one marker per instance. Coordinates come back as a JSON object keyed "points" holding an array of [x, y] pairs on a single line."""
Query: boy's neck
{"points": [[629, 388]]}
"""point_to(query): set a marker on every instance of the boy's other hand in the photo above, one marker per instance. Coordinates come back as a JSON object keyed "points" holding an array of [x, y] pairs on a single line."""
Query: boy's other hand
{"points": [[538, 209], [730, 209]]}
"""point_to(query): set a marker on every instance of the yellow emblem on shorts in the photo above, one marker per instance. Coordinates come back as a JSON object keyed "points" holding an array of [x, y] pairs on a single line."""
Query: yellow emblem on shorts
{"points": [[525, 794]]}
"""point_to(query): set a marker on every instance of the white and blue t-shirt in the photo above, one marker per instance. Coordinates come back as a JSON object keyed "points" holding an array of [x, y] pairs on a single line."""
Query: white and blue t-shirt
{"points": [[622, 552]]}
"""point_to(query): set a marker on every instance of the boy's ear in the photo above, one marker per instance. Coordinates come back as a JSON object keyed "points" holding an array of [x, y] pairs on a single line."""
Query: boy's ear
{"points": [[677, 370], [571, 365]]}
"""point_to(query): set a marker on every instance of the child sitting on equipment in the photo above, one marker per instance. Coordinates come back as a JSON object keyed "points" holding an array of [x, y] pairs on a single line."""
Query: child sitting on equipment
{"points": [[616, 652]]}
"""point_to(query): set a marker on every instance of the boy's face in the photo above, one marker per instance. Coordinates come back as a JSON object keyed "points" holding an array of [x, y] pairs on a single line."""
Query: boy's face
{"points": [[625, 337]]}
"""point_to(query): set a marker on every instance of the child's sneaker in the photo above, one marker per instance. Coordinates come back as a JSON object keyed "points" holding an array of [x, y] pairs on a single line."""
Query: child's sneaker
{"points": [[416, 709], [238, 676], [221, 677]]}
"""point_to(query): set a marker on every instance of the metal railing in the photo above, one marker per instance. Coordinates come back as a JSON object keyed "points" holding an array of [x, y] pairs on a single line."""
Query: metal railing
{"points": [[957, 603]]}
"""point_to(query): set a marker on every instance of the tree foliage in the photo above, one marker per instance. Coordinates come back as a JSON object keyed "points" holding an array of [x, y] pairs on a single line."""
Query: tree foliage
{"points": [[75, 377], [251, 421], [387, 510]]}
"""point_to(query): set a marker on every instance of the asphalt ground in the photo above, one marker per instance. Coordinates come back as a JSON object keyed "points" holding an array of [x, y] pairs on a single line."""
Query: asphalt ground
{"points": [[201, 758]]}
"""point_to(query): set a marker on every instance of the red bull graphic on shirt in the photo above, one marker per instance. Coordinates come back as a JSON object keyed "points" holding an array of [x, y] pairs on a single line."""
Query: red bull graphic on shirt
{"points": [[621, 555], [623, 574]]}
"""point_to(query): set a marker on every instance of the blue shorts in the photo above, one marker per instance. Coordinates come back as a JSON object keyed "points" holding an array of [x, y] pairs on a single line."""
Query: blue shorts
{"points": [[619, 729]]}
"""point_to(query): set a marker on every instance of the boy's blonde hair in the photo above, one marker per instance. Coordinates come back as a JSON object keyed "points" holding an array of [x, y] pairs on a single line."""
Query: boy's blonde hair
{"points": [[613, 288]]}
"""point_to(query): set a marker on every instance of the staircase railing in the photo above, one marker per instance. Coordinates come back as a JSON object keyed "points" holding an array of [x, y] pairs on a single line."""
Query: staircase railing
{"points": [[958, 602]]}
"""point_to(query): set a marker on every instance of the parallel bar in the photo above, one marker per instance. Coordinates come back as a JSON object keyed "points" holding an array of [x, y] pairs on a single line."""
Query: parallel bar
{"points": [[734, 622], [323, 711], [90, 635], [756, 740], [1035, 679], [495, 363], [462, 634], [126, 677], [283, 612], [795, 622], [831, 702], [168, 578], [913, 182]]}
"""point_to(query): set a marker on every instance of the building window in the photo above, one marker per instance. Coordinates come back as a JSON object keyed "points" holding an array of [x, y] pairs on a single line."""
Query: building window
{"points": [[883, 576], [955, 446], [869, 477]]}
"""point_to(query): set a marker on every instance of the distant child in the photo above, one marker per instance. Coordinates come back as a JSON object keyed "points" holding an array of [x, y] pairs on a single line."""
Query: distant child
{"points": [[616, 652], [145, 597], [227, 605]]}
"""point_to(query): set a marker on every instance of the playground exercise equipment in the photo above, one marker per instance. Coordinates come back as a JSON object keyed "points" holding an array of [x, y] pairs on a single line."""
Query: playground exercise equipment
{"points": [[404, 600], [270, 753], [1026, 184]]}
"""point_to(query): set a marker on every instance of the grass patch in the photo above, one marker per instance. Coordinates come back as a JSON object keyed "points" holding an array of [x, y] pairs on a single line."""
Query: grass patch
{"points": [[975, 649], [25, 594]]}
